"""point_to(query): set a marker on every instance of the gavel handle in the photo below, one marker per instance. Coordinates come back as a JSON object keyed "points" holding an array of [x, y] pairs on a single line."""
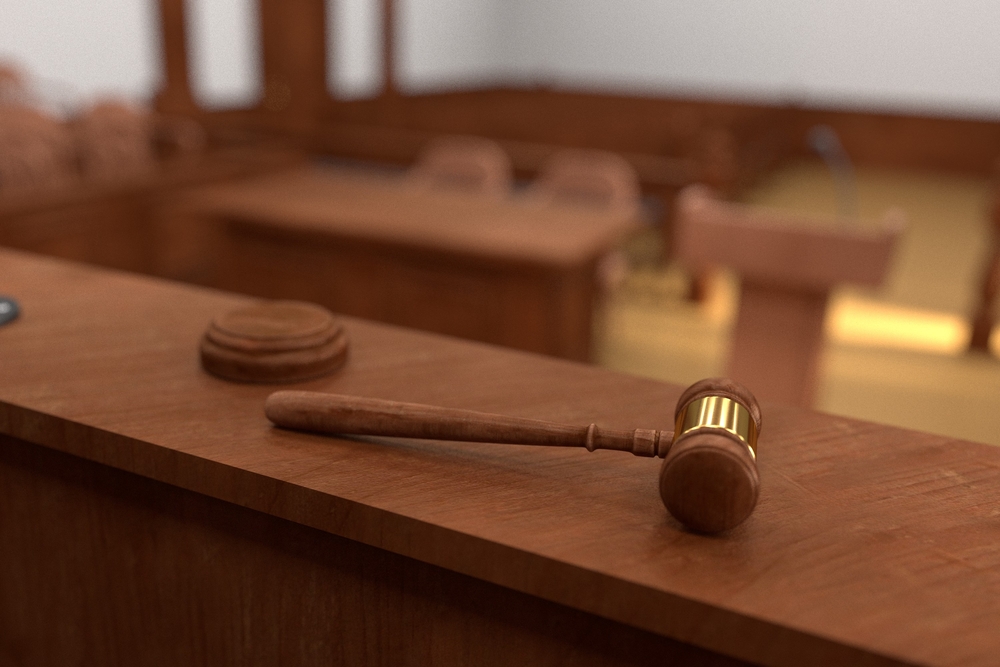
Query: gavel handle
{"points": [[354, 415]]}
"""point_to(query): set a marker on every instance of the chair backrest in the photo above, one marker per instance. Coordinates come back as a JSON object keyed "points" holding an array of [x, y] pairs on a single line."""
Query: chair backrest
{"points": [[114, 142], [787, 265], [36, 151], [598, 178], [13, 88], [472, 164]]}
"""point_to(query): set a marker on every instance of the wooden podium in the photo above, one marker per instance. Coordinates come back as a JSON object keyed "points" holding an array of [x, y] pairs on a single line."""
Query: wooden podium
{"points": [[787, 268], [150, 514]]}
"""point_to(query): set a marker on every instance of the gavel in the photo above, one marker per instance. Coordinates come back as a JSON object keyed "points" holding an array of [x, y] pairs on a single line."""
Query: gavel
{"points": [[708, 480]]}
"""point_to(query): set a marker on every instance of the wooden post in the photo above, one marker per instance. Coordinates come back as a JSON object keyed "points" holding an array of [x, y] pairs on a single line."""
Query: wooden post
{"points": [[175, 96], [293, 48], [389, 49]]}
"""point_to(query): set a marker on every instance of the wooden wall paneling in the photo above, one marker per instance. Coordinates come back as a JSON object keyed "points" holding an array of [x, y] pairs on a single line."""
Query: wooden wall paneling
{"points": [[901, 141], [100, 566], [107, 231], [530, 309], [136, 224]]}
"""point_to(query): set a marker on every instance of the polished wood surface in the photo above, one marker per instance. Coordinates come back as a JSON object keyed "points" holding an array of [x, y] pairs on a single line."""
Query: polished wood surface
{"points": [[869, 545], [162, 576], [513, 271], [274, 341], [787, 268]]}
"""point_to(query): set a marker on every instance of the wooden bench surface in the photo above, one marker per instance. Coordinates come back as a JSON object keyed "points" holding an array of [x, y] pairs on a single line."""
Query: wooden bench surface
{"points": [[385, 208], [870, 545]]}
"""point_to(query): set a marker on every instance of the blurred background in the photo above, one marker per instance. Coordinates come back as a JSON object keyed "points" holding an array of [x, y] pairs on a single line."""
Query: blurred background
{"points": [[513, 172]]}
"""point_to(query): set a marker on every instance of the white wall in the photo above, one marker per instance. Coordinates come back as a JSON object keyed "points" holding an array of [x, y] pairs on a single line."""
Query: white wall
{"points": [[883, 54], [78, 49], [354, 53], [902, 55], [224, 56], [451, 43]]}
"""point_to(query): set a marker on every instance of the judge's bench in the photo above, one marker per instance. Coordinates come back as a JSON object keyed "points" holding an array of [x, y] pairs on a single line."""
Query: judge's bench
{"points": [[151, 515]]}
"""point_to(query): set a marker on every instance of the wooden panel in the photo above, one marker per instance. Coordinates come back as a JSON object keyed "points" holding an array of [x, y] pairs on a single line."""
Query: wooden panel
{"points": [[159, 576], [133, 224], [106, 231], [513, 271], [528, 308], [901, 141]]}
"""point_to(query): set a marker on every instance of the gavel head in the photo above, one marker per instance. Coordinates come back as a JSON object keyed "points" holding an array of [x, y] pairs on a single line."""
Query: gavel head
{"points": [[709, 478]]}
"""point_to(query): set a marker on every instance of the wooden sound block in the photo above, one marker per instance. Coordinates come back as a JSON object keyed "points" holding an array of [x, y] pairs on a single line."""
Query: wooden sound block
{"points": [[274, 341]]}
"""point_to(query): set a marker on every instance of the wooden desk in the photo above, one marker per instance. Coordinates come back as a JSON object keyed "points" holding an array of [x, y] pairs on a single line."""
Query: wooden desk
{"points": [[514, 271], [150, 515]]}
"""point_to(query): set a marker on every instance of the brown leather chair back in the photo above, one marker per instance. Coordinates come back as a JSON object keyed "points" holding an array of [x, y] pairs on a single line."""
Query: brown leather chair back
{"points": [[473, 164], [593, 177]]}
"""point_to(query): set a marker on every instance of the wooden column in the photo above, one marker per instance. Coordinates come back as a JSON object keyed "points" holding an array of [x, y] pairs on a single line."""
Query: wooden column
{"points": [[175, 96], [389, 88], [293, 46]]}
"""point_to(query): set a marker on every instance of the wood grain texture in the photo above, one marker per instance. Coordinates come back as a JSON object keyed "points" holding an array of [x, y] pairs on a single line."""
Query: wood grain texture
{"points": [[514, 271], [161, 576], [870, 545]]}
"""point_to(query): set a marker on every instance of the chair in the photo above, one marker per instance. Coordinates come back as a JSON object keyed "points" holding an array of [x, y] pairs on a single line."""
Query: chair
{"points": [[13, 88], [114, 142], [787, 267], [591, 177], [472, 164], [36, 151]]}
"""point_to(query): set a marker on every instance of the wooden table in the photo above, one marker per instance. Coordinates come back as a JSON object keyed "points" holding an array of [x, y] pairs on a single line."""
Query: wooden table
{"points": [[515, 271], [150, 515]]}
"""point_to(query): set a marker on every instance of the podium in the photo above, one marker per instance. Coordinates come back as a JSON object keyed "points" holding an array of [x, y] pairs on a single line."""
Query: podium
{"points": [[787, 268], [150, 514]]}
